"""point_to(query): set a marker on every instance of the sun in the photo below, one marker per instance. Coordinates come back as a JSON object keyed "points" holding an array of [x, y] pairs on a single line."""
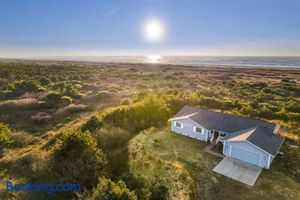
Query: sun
{"points": [[153, 30]]}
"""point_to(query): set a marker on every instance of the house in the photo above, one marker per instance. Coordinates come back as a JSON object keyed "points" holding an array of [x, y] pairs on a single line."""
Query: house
{"points": [[250, 140]]}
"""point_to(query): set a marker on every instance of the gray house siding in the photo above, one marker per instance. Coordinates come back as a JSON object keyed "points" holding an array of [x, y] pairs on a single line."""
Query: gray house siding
{"points": [[188, 129], [245, 151]]}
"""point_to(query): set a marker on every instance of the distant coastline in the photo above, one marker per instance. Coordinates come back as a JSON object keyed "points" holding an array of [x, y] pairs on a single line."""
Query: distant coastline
{"points": [[225, 61]]}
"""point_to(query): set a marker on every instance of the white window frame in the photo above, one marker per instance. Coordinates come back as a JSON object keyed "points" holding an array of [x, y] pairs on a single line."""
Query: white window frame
{"points": [[202, 130], [175, 124]]}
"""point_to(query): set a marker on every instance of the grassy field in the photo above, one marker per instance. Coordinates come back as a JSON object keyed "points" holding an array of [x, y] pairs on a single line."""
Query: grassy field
{"points": [[181, 161], [116, 104]]}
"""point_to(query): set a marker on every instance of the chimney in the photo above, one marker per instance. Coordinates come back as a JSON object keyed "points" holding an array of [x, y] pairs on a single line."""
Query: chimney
{"points": [[276, 129]]}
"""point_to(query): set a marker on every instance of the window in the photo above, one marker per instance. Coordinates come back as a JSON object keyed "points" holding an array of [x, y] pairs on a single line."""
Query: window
{"points": [[197, 129], [178, 124]]}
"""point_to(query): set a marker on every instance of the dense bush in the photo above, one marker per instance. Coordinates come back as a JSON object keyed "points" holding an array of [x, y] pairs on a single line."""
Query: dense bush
{"points": [[292, 106], [109, 190], [213, 103], [159, 192], [78, 160], [93, 123], [112, 138], [150, 111], [52, 99], [71, 91], [22, 87]]}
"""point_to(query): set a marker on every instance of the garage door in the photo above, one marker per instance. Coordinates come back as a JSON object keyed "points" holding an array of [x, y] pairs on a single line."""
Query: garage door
{"points": [[245, 155]]}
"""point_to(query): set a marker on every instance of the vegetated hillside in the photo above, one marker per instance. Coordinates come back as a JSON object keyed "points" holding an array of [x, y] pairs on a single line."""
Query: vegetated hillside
{"points": [[181, 165], [88, 123]]}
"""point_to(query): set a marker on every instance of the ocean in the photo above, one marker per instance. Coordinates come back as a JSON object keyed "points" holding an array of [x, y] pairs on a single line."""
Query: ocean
{"points": [[291, 62]]}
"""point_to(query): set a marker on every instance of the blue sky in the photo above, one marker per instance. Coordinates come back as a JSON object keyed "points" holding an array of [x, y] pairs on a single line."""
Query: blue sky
{"points": [[93, 27]]}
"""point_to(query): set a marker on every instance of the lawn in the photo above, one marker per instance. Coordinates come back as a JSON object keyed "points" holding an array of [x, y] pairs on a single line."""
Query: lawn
{"points": [[182, 163]]}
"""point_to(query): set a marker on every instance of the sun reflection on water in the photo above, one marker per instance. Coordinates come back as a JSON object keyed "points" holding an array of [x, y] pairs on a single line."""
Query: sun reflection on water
{"points": [[153, 58]]}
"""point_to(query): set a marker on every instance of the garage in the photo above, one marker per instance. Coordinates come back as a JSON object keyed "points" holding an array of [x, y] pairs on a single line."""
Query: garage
{"points": [[246, 152], [245, 155]]}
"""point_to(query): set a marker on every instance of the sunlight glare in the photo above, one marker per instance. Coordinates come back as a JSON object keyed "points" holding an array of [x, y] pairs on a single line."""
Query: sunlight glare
{"points": [[154, 30], [153, 58]]}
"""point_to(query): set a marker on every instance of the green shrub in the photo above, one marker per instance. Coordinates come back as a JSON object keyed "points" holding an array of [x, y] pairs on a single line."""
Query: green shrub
{"points": [[78, 160], [292, 106], [109, 190], [6, 94], [211, 103], [71, 91], [112, 138], [22, 139], [151, 111], [52, 99], [65, 101], [4, 134], [45, 81], [264, 112], [93, 123], [159, 192], [26, 86]]}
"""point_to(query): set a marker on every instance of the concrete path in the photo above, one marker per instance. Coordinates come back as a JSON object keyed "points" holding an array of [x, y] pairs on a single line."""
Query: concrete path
{"points": [[238, 170], [208, 149]]}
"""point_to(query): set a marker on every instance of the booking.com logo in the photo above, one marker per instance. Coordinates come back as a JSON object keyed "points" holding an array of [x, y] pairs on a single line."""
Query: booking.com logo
{"points": [[48, 188]]}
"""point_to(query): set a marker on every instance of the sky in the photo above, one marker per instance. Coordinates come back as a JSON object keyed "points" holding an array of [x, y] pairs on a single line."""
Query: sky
{"points": [[115, 27]]}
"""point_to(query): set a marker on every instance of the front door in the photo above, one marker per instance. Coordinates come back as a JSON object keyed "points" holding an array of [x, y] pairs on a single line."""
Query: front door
{"points": [[214, 135]]}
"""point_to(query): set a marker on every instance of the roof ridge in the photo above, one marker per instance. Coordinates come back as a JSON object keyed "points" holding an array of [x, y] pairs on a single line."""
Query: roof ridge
{"points": [[244, 135], [228, 114]]}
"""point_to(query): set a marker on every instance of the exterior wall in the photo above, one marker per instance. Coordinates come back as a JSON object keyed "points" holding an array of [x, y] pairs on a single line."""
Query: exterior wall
{"points": [[265, 158], [271, 160], [188, 129]]}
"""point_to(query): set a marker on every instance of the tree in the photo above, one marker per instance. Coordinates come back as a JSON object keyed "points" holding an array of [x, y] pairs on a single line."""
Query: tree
{"points": [[109, 190], [78, 160]]}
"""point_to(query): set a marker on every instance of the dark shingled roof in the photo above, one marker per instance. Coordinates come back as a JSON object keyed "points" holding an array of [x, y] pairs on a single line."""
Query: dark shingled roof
{"points": [[262, 137]]}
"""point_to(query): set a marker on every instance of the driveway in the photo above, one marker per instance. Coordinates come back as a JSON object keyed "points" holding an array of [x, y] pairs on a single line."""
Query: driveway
{"points": [[238, 170]]}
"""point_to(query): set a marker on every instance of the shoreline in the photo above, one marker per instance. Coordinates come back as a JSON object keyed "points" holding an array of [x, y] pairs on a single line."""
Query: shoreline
{"points": [[206, 65]]}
